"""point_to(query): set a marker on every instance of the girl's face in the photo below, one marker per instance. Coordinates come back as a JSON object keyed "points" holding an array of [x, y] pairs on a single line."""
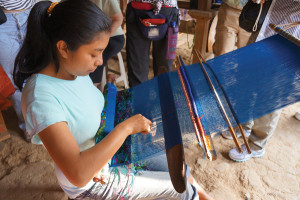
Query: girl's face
{"points": [[85, 59]]}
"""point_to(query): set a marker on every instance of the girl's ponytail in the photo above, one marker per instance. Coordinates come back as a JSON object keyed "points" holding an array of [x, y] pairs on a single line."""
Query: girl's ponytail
{"points": [[35, 53]]}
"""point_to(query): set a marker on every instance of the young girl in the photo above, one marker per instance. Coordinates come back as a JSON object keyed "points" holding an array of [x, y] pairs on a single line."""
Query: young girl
{"points": [[62, 107]]}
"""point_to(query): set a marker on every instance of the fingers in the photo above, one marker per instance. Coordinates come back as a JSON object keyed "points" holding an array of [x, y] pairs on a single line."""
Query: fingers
{"points": [[145, 123], [139, 124], [153, 129]]}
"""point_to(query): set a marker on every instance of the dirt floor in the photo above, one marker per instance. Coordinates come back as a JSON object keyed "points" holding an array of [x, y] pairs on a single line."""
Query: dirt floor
{"points": [[26, 170]]}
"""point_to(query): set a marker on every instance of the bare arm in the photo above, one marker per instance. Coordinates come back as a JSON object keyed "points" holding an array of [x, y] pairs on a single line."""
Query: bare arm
{"points": [[117, 20], [80, 167]]}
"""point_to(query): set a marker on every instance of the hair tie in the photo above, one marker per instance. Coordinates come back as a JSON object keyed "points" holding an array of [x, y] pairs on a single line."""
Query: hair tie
{"points": [[51, 7]]}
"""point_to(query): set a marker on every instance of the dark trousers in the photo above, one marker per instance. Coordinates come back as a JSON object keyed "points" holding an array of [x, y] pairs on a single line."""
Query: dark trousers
{"points": [[114, 46], [138, 50]]}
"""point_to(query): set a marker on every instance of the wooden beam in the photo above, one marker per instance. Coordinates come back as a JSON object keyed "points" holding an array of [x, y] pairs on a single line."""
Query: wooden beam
{"points": [[183, 4], [202, 25], [204, 5]]}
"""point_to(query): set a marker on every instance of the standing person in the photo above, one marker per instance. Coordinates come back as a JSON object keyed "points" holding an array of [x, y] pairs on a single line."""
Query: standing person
{"points": [[280, 13], [138, 46], [62, 108], [229, 34], [12, 34], [116, 40]]}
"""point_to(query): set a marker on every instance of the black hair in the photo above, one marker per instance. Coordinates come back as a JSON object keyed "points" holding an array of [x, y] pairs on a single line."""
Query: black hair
{"points": [[76, 22]]}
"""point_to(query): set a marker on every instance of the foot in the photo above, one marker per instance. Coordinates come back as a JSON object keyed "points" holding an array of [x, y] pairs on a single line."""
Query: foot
{"points": [[226, 134], [244, 156], [201, 192], [204, 196]]}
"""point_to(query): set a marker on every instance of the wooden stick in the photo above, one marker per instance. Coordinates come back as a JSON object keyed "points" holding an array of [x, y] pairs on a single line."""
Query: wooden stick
{"points": [[285, 34], [231, 130], [192, 115], [235, 117], [199, 130]]}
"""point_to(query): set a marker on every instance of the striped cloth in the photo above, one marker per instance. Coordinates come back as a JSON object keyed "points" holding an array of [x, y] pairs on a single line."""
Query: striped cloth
{"points": [[159, 3], [281, 12], [17, 4]]}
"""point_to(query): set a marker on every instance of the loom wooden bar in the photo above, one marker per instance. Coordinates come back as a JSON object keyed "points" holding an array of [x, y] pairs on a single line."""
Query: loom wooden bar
{"points": [[239, 125], [199, 130], [238, 146], [177, 169], [285, 34], [244, 138], [193, 118]]}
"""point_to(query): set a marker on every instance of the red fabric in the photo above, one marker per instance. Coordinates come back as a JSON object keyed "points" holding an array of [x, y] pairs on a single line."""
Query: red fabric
{"points": [[148, 22], [141, 6], [6, 89]]}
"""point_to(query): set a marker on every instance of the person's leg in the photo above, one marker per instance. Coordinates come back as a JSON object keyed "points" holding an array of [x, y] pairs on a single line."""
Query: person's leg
{"points": [[123, 183], [160, 63], [159, 49], [157, 185], [114, 46], [226, 30], [137, 50], [243, 38], [263, 129], [159, 163], [201, 192], [12, 35]]}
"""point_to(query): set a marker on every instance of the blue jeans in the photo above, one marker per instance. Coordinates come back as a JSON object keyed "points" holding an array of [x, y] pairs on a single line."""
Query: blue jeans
{"points": [[12, 34]]}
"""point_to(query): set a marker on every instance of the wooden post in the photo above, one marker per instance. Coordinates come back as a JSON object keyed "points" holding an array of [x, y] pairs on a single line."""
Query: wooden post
{"points": [[123, 6], [202, 25], [204, 5]]}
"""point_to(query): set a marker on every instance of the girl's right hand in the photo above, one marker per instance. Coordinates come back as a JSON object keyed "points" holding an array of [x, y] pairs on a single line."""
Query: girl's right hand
{"points": [[136, 124]]}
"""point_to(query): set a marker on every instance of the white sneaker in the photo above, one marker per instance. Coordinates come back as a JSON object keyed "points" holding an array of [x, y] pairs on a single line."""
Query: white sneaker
{"points": [[244, 156], [297, 115], [226, 134]]}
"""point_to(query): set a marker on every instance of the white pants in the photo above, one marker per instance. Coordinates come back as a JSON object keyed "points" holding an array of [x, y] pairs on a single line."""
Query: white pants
{"points": [[145, 185], [228, 33]]}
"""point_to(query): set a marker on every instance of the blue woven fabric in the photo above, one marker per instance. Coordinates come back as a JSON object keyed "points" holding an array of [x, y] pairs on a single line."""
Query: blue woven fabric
{"points": [[110, 108], [254, 80]]}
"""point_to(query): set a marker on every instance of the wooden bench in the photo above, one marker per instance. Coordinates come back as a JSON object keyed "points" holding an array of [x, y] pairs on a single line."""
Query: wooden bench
{"points": [[203, 16]]}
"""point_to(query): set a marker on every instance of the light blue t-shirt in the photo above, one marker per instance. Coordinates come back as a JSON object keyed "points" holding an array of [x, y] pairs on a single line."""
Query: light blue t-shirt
{"points": [[47, 100]]}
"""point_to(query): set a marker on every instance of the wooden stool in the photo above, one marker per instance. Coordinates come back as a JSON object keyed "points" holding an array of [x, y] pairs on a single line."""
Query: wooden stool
{"points": [[122, 74]]}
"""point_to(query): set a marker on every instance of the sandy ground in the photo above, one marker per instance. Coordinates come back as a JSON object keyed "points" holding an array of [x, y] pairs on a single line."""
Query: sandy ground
{"points": [[26, 170]]}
